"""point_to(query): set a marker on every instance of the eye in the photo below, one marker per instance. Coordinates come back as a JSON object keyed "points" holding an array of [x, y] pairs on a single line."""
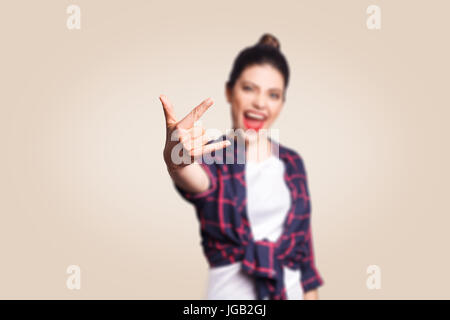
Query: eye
{"points": [[247, 88], [275, 95]]}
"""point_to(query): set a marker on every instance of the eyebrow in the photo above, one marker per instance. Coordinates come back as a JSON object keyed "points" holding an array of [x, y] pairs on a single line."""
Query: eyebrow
{"points": [[258, 86]]}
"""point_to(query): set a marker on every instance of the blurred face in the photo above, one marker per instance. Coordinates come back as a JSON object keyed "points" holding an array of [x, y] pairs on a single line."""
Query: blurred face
{"points": [[256, 98]]}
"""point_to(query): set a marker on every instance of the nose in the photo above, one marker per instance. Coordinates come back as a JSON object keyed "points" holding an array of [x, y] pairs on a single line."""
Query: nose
{"points": [[259, 102]]}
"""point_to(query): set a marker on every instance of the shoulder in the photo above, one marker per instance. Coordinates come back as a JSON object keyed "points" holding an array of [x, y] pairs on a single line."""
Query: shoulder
{"points": [[291, 157], [288, 151]]}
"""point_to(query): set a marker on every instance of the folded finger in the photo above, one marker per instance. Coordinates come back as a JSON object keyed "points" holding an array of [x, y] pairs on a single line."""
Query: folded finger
{"points": [[210, 148], [197, 142]]}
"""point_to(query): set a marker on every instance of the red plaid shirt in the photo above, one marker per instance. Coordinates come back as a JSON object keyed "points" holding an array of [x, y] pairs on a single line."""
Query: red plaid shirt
{"points": [[226, 232]]}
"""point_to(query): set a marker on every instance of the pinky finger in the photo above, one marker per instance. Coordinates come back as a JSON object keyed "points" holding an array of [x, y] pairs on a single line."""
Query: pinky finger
{"points": [[210, 148]]}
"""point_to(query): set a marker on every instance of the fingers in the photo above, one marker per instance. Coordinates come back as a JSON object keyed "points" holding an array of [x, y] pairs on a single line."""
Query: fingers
{"points": [[195, 142], [168, 110], [210, 148], [188, 121], [192, 138], [192, 133]]}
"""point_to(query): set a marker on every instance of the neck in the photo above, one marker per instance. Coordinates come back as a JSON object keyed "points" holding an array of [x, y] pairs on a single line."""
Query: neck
{"points": [[258, 148]]}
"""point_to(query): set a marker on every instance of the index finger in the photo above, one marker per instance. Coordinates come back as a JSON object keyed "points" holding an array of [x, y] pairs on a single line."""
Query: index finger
{"points": [[168, 110], [188, 121]]}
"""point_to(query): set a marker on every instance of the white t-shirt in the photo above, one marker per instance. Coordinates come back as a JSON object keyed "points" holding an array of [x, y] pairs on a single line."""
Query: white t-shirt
{"points": [[268, 201]]}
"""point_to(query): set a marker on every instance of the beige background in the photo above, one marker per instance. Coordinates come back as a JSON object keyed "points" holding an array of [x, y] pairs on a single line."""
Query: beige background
{"points": [[82, 132]]}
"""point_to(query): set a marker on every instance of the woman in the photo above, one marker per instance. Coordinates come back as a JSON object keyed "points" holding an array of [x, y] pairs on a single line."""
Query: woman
{"points": [[254, 214]]}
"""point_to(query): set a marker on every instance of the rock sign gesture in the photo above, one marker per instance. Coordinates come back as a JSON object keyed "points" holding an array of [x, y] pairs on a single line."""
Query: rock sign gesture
{"points": [[192, 138]]}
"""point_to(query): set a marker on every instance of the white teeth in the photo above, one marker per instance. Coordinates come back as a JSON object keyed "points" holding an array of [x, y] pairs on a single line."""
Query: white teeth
{"points": [[254, 115]]}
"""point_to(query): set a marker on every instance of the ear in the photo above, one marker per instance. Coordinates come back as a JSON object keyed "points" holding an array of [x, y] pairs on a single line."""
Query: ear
{"points": [[227, 93]]}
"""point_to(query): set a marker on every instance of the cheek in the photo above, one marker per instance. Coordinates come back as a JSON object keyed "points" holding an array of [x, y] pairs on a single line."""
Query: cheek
{"points": [[239, 104], [236, 111], [243, 98], [275, 111]]}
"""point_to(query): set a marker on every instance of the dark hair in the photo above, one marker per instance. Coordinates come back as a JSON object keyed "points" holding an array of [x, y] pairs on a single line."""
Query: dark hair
{"points": [[266, 50]]}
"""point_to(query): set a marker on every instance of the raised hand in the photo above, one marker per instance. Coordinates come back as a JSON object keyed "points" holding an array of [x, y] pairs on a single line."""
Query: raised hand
{"points": [[185, 139]]}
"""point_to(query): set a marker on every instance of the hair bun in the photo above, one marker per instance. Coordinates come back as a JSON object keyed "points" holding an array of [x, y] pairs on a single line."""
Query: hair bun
{"points": [[269, 40]]}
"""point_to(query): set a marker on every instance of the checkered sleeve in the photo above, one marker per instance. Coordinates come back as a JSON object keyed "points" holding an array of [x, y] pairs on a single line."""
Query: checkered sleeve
{"points": [[197, 198], [208, 163], [310, 276]]}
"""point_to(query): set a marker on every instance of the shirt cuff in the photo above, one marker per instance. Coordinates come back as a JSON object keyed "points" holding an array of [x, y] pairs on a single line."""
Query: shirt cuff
{"points": [[194, 197], [312, 282]]}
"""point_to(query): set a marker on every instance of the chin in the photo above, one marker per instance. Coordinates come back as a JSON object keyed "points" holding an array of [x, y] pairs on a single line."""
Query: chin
{"points": [[251, 135]]}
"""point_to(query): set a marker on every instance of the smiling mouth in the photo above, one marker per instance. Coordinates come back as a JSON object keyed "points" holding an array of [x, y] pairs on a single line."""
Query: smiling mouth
{"points": [[254, 120]]}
